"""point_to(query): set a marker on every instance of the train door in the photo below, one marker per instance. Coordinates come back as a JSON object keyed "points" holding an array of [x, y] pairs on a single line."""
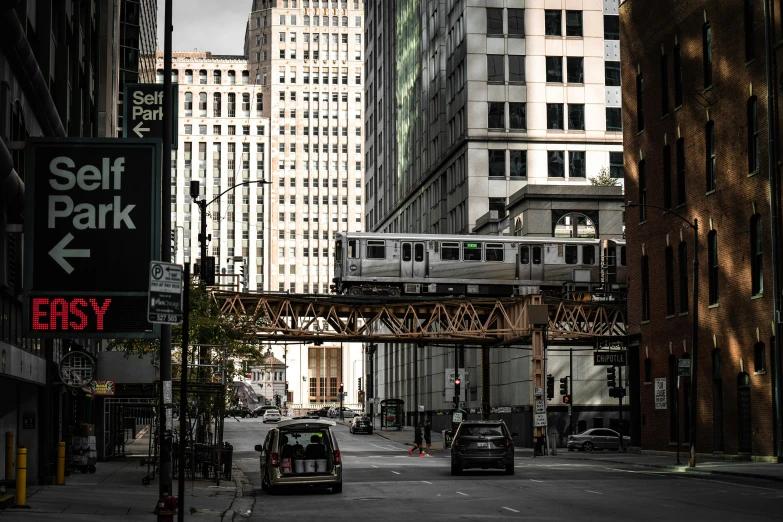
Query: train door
{"points": [[412, 259], [524, 263], [537, 263]]}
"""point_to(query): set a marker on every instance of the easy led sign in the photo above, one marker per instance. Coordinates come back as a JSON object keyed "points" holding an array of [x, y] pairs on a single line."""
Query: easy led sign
{"points": [[87, 315]]}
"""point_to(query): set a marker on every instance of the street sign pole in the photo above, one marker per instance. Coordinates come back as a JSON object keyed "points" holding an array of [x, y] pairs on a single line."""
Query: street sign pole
{"points": [[183, 396], [620, 403], [164, 427]]}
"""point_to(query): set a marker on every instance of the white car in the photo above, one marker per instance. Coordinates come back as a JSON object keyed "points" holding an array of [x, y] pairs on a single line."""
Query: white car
{"points": [[271, 416]]}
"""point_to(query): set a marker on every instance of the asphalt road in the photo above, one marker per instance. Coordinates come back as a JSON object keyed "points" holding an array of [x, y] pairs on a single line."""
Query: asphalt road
{"points": [[382, 482]]}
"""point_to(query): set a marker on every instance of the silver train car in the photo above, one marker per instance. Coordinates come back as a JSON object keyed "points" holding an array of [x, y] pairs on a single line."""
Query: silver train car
{"points": [[437, 264]]}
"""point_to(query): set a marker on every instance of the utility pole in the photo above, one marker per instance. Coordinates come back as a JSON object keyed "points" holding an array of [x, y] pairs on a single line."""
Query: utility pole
{"points": [[164, 424], [571, 391], [620, 403], [183, 396]]}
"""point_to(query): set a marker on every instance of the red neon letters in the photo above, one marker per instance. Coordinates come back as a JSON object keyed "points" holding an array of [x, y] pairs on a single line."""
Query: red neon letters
{"points": [[68, 314]]}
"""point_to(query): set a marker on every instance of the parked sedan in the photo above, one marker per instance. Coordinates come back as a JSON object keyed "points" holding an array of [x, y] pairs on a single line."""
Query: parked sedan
{"points": [[482, 444], [323, 412], [237, 411], [597, 438], [271, 416], [360, 424]]}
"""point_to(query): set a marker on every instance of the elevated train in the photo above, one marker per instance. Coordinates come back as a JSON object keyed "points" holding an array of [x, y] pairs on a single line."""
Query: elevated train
{"points": [[442, 264]]}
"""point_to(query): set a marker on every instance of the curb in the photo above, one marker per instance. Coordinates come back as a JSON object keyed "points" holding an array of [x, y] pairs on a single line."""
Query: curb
{"points": [[681, 469], [244, 500]]}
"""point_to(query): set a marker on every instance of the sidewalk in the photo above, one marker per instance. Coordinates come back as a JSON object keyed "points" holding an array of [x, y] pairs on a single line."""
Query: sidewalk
{"points": [[705, 464], [116, 490]]}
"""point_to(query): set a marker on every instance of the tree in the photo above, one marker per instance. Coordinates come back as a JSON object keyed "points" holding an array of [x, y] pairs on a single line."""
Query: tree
{"points": [[604, 179]]}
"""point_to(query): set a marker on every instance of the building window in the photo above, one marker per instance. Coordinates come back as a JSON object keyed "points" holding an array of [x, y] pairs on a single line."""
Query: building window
{"points": [[614, 119], [669, 256], [753, 135], [611, 27], [683, 273], [494, 22], [554, 69], [709, 140], [553, 22], [554, 116], [680, 171], [750, 32], [645, 289], [756, 265], [497, 163], [556, 164], [712, 266], [616, 167], [495, 70], [516, 68], [639, 103], [517, 116], [759, 358], [518, 163], [575, 69], [612, 74], [664, 85], [576, 116], [667, 177], [642, 191], [497, 117], [573, 23], [707, 53], [516, 22], [576, 164]]}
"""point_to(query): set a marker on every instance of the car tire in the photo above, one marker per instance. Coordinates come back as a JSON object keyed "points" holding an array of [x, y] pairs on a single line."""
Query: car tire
{"points": [[588, 446], [337, 488], [510, 469], [455, 468], [264, 483]]}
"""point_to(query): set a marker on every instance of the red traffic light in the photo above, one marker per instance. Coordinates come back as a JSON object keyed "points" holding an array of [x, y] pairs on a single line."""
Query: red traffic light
{"points": [[341, 385], [566, 399], [457, 382], [286, 383]]}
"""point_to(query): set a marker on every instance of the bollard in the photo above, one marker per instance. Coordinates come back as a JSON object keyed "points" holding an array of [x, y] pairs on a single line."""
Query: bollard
{"points": [[9, 455], [60, 463], [21, 476]]}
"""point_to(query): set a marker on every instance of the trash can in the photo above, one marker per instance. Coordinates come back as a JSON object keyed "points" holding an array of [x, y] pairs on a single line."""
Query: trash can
{"points": [[227, 458]]}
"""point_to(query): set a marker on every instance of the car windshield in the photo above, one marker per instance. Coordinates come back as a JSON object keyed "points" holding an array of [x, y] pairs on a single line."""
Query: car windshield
{"points": [[484, 430], [272, 412], [303, 444]]}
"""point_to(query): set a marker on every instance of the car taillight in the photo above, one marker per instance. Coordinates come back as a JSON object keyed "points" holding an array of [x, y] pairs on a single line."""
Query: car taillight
{"points": [[507, 442], [337, 460], [455, 442], [274, 460]]}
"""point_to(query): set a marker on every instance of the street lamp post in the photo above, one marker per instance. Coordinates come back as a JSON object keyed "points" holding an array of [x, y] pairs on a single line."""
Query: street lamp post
{"points": [[694, 324]]}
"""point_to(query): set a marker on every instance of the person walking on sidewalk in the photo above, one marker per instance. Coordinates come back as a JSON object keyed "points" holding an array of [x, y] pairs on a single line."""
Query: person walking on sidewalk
{"points": [[427, 437], [417, 442]]}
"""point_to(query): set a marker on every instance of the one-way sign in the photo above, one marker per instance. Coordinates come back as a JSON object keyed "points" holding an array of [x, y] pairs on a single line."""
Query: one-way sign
{"points": [[92, 224], [165, 301], [143, 111]]}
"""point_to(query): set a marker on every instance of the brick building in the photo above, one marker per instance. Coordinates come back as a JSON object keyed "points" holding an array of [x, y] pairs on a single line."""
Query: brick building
{"points": [[695, 142]]}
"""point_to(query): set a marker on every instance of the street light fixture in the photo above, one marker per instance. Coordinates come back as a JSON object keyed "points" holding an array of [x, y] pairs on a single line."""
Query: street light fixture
{"points": [[694, 322], [202, 206]]}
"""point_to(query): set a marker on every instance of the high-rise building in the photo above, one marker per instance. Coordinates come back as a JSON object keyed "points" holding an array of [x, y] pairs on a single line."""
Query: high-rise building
{"points": [[467, 103], [305, 63], [137, 44]]}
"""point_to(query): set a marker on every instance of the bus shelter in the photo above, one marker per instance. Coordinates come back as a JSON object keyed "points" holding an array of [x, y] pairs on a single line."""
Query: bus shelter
{"points": [[392, 412]]}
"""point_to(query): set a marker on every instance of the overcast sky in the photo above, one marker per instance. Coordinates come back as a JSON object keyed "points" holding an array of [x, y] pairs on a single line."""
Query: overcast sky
{"points": [[217, 26]]}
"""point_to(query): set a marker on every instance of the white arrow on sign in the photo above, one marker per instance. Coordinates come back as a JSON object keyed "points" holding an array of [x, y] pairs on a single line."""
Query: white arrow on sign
{"points": [[59, 253], [138, 128]]}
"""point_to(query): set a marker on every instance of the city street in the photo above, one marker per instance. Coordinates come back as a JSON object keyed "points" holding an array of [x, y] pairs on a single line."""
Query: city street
{"points": [[382, 482]]}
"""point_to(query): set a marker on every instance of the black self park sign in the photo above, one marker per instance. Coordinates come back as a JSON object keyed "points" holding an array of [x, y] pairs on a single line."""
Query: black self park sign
{"points": [[92, 222], [142, 105]]}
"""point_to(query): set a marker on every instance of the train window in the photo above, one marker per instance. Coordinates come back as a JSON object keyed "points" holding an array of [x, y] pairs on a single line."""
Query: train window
{"points": [[406, 251], [494, 252], [353, 251], [588, 255], [419, 249], [622, 256], [537, 255], [524, 255], [449, 252], [471, 251], [376, 249], [570, 254]]}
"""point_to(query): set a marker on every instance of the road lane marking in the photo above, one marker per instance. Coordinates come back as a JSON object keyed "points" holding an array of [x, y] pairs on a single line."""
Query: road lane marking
{"points": [[596, 492], [512, 510], [396, 472], [534, 480], [463, 494], [374, 466], [430, 483]]}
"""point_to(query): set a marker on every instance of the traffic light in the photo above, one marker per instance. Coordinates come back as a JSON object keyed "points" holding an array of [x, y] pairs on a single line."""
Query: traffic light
{"points": [[341, 388], [286, 387], [243, 277], [174, 242], [564, 386], [277, 400], [566, 399], [550, 387], [359, 386], [208, 273], [610, 377]]}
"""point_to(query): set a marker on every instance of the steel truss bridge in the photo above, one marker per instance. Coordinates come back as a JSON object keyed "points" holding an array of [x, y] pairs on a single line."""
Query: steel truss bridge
{"points": [[476, 321]]}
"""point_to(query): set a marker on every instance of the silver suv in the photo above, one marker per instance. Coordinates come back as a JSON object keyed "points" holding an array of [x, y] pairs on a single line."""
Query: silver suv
{"points": [[301, 452]]}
